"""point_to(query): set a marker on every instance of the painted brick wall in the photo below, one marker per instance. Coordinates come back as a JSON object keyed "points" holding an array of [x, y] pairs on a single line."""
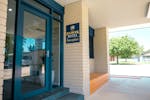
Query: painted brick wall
{"points": [[76, 55], [72, 52], [101, 50], [92, 67], [85, 49], [3, 16]]}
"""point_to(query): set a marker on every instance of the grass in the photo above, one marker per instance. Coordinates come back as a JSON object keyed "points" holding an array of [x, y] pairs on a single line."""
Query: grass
{"points": [[128, 63]]}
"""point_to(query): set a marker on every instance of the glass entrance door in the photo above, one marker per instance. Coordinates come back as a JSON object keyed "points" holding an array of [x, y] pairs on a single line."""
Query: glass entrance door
{"points": [[56, 54], [33, 60]]}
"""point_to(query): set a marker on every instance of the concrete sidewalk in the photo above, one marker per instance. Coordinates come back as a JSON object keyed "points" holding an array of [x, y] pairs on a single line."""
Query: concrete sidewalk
{"points": [[123, 89], [130, 70]]}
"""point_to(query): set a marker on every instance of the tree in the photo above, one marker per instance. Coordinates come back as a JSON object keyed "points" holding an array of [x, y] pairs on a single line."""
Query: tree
{"points": [[114, 48], [125, 47], [31, 48]]}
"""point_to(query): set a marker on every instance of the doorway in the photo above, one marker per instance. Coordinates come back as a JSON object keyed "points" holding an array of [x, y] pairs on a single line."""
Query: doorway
{"points": [[38, 53]]}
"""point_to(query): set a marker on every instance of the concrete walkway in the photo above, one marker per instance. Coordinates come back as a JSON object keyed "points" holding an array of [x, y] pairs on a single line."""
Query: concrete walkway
{"points": [[130, 70], [124, 89]]}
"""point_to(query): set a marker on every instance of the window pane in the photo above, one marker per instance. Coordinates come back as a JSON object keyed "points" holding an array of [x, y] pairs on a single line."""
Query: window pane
{"points": [[56, 15], [33, 53], [8, 64], [91, 42], [56, 54]]}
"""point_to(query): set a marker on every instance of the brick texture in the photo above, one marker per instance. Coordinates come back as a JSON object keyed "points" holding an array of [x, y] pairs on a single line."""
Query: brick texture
{"points": [[92, 67], [101, 50], [76, 55], [3, 16]]}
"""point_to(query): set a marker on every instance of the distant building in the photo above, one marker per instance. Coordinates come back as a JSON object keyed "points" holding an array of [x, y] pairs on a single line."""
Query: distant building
{"points": [[146, 56]]}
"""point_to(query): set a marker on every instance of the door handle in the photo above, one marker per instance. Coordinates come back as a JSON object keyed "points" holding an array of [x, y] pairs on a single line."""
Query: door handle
{"points": [[47, 53]]}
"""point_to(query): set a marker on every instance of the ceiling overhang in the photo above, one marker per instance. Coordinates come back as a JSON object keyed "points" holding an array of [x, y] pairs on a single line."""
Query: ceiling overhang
{"points": [[65, 2], [115, 13]]}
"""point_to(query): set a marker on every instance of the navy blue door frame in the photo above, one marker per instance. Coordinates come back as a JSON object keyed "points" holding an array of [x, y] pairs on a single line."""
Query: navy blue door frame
{"points": [[21, 7]]}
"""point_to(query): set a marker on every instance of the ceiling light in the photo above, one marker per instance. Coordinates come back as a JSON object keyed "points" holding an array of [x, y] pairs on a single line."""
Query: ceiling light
{"points": [[10, 9]]}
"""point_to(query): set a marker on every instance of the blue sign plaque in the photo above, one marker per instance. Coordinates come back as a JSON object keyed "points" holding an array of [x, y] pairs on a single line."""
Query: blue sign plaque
{"points": [[72, 33]]}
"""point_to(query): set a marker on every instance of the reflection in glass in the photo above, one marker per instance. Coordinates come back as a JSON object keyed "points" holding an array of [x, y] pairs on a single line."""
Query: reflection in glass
{"points": [[56, 15], [8, 63], [56, 54], [33, 53]]}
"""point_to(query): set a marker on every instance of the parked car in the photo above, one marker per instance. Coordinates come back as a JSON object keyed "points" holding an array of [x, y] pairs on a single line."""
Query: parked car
{"points": [[26, 60]]}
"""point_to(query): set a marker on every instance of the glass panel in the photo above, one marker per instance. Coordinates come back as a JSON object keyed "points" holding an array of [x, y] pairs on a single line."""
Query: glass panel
{"points": [[56, 15], [38, 5], [56, 54], [33, 53], [8, 64]]}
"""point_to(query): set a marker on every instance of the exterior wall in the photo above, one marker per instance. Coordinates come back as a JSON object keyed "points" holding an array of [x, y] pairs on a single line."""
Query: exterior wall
{"points": [[85, 49], [92, 67], [3, 16], [76, 55], [101, 50]]}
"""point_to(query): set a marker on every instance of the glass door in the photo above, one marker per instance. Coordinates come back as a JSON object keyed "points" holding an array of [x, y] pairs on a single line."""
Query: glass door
{"points": [[56, 54], [33, 60], [32, 54]]}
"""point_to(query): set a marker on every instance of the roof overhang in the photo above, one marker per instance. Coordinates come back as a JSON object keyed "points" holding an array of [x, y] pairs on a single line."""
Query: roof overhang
{"points": [[115, 13]]}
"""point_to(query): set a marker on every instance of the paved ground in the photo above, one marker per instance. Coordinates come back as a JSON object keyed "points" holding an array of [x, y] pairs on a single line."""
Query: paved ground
{"points": [[131, 70], [124, 89]]}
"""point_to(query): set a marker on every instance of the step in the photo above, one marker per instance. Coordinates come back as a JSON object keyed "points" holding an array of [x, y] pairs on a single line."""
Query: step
{"points": [[51, 95], [97, 80], [72, 96]]}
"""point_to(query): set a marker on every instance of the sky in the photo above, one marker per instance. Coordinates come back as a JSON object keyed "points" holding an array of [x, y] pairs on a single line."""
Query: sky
{"points": [[32, 42], [141, 35]]}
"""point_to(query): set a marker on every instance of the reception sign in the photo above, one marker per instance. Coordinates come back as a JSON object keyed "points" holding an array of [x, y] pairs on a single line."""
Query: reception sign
{"points": [[72, 33]]}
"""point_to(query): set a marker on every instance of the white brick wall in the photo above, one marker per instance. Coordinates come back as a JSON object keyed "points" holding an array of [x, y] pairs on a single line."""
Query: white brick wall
{"points": [[85, 50], [101, 50], [92, 67], [3, 16], [76, 55], [72, 52], [76, 58]]}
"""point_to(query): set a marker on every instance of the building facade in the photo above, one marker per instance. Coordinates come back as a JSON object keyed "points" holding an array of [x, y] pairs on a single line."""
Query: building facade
{"points": [[46, 46]]}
